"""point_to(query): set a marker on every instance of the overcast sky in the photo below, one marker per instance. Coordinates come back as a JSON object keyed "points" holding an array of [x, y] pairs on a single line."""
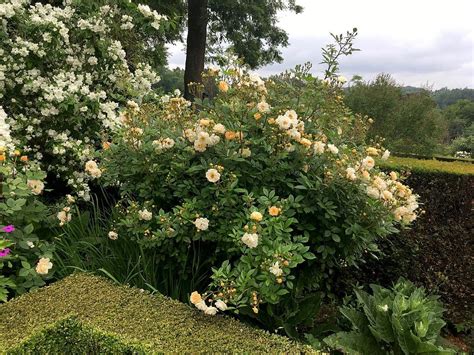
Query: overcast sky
{"points": [[419, 42]]}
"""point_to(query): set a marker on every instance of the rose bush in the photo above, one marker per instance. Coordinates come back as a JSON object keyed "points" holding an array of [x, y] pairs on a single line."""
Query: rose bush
{"points": [[269, 183], [25, 257], [66, 70]]}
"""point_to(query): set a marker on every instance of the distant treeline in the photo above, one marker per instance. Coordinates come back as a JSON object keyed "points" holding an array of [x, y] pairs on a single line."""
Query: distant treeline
{"points": [[415, 120], [444, 97]]}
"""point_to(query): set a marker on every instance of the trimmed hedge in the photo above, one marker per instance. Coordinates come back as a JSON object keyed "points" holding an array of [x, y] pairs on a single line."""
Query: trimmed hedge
{"points": [[70, 336], [437, 157], [86, 314], [438, 251], [428, 166]]}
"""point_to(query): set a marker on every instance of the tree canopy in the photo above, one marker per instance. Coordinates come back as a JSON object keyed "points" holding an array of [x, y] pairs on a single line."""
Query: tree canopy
{"points": [[409, 123]]}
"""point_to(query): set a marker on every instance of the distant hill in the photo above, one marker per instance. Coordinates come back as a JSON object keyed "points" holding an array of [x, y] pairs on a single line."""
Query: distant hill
{"points": [[411, 89], [444, 97]]}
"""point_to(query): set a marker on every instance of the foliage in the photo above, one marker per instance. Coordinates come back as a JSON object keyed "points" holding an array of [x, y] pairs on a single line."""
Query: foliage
{"points": [[118, 315], [445, 97], [84, 244], [408, 122], [460, 118], [188, 184], [250, 27], [24, 256], [401, 320], [428, 166], [171, 79], [65, 72], [332, 52]]}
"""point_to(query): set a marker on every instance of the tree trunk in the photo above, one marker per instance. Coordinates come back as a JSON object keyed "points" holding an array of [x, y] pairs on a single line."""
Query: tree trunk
{"points": [[195, 43]]}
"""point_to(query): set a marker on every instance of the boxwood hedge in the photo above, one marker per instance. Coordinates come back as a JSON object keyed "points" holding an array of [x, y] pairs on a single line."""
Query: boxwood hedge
{"points": [[86, 314], [437, 251]]}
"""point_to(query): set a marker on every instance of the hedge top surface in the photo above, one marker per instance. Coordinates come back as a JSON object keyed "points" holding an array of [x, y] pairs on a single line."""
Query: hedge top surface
{"points": [[429, 166], [152, 320]]}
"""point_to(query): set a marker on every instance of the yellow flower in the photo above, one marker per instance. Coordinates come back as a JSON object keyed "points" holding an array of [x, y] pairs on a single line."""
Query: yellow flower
{"points": [[24, 158], [195, 297], [2, 157], [274, 211], [16, 153], [36, 186], [305, 142], [372, 151], [256, 216], [257, 115], [387, 195], [219, 128], [223, 86], [204, 122], [43, 266], [393, 176]]}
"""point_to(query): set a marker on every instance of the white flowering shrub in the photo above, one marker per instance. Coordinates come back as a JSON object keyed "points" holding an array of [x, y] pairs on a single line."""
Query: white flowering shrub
{"points": [[269, 184], [25, 257], [64, 74]]}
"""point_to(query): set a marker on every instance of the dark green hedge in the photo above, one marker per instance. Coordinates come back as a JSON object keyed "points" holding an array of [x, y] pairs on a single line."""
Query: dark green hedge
{"points": [[85, 314], [438, 251]]}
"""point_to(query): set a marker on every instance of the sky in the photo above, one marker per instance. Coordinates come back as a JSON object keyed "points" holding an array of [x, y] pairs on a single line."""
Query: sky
{"points": [[419, 42]]}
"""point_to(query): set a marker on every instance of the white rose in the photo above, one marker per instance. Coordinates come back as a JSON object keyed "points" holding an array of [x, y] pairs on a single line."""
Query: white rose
{"points": [[275, 269], [350, 174], [221, 305], [36, 186], [251, 240], [342, 79], [319, 147], [201, 224], [113, 235], [219, 128], [212, 175], [373, 192], [43, 266], [145, 215], [202, 306], [263, 107], [368, 163], [211, 311], [333, 149], [246, 152]]}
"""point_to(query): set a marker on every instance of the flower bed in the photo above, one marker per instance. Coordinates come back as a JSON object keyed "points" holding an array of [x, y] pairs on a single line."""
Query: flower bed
{"points": [[87, 312]]}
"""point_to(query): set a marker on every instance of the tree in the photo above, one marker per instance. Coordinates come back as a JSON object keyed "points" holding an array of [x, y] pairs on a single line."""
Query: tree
{"points": [[410, 123], [460, 116], [249, 26]]}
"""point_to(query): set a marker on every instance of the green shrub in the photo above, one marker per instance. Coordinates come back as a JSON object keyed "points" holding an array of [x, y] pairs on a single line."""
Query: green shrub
{"points": [[268, 184], [25, 257], [401, 320], [106, 318]]}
